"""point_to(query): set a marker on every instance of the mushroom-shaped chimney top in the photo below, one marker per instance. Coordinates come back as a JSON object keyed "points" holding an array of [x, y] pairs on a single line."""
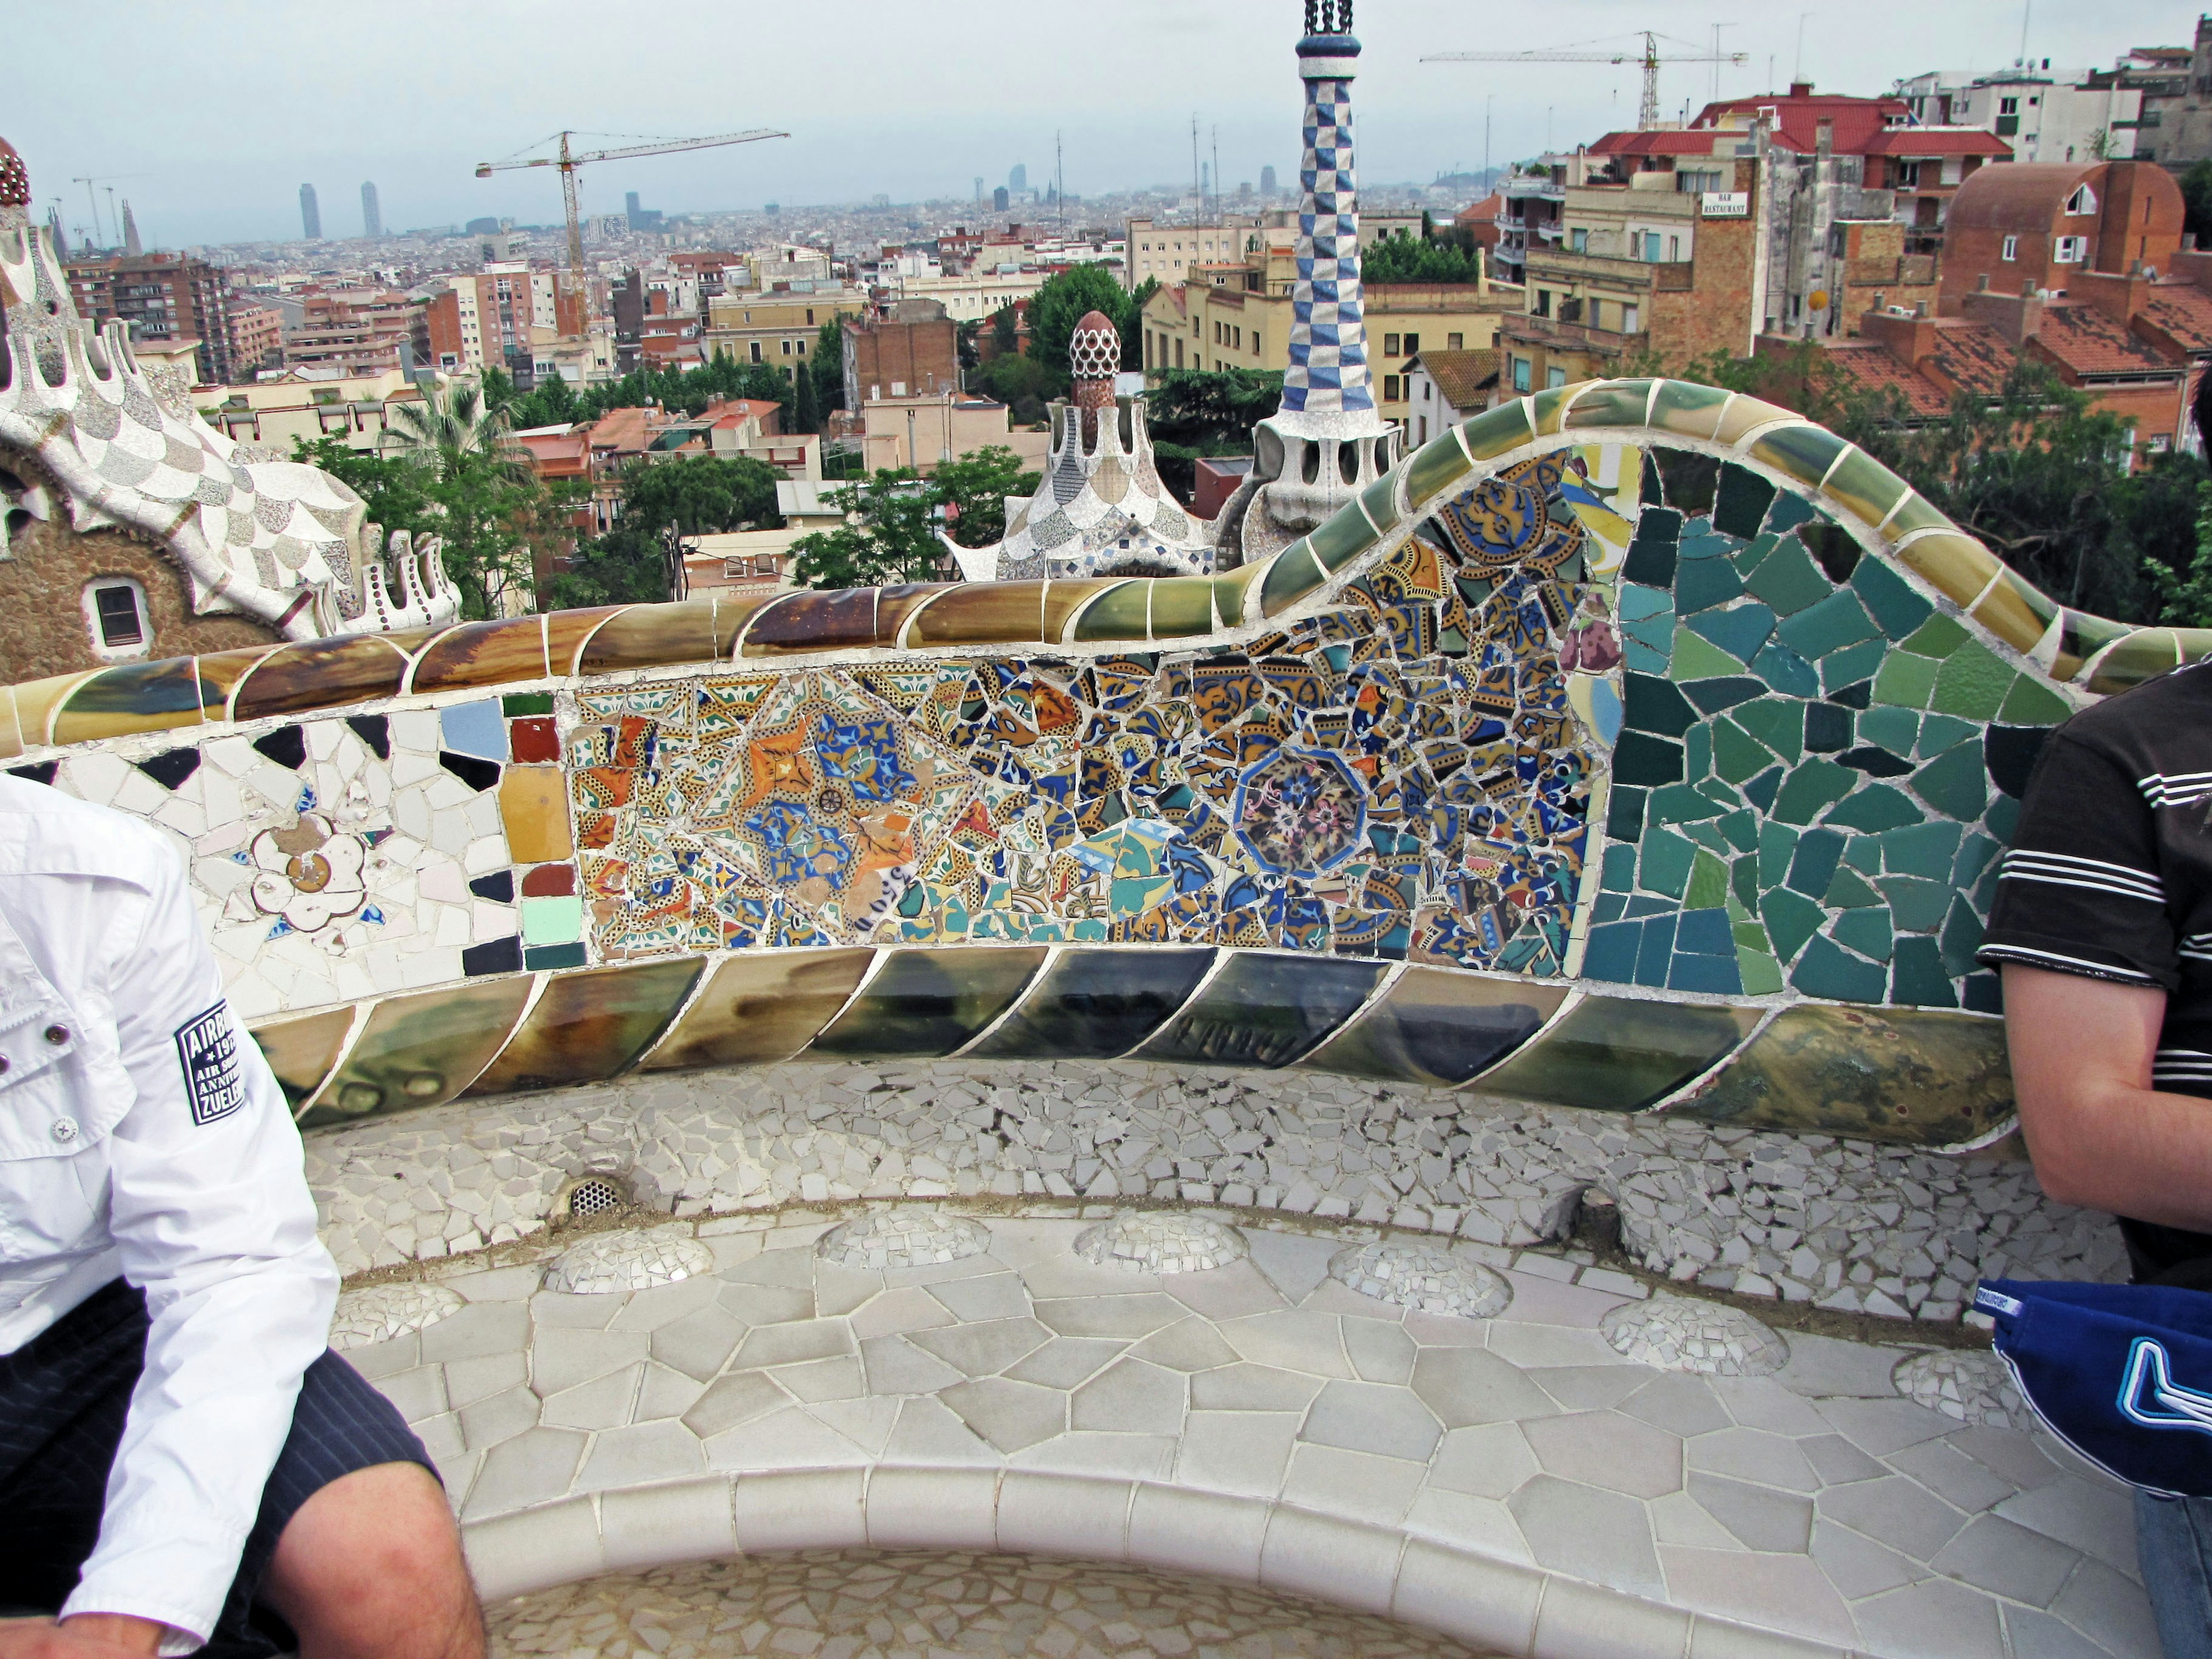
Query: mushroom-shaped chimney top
{"points": [[14, 178], [1094, 350]]}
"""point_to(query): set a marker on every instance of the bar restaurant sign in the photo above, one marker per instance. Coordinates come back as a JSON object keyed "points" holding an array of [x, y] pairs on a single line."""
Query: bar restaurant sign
{"points": [[1726, 203]]}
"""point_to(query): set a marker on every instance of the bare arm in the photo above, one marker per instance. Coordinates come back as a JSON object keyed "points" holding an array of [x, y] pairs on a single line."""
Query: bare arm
{"points": [[2100, 1135]]}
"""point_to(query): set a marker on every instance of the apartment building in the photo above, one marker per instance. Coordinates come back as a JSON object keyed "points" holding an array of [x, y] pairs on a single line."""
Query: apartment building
{"points": [[358, 330], [2041, 226], [781, 325], [486, 320], [912, 350], [164, 297], [1662, 264], [361, 410], [256, 338], [1238, 316], [1171, 252]]}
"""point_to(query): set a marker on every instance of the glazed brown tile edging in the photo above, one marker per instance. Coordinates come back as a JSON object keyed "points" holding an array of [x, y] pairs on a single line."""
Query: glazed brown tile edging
{"points": [[262, 683], [1494, 1035]]}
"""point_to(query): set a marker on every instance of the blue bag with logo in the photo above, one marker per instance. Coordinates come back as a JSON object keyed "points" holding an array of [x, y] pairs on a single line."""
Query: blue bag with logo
{"points": [[2122, 1373]]}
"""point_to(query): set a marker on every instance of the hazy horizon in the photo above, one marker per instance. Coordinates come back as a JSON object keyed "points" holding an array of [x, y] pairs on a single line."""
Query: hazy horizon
{"points": [[263, 96]]}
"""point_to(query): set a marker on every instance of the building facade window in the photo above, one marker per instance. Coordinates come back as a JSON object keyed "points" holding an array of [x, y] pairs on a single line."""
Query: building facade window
{"points": [[1455, 342], [1554, 379], [1579, 240], [1632, 318], [2082, 201], [115, 614], [2011, 249], [1521, 374], [1389, 345], [2071, 250]]}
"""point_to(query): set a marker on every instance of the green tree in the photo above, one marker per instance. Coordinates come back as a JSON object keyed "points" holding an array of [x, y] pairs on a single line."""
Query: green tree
{"points": [[698, 494], [889, 535], [1006, 330], [827, 365], [2032, 470], [623, 567], [1020, 383], [1418, 260], [1191, 412], [2196, 201], [806, 413], [1061, 303], [977, 484]]}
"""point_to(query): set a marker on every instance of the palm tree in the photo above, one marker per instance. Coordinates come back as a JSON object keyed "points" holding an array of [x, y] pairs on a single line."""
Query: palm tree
{"points": [[453, 429]]}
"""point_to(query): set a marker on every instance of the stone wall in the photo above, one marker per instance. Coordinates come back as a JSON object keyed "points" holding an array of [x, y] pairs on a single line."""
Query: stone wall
{"points": [[42, 579]]}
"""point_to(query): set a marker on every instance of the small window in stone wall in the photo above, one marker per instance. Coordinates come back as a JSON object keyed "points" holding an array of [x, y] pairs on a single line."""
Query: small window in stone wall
{"points": [[115, 612]]}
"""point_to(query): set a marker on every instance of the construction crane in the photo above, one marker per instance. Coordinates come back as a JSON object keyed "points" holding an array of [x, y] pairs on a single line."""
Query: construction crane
{"points": [[1647, 117], [94, 201], [567, 161]]}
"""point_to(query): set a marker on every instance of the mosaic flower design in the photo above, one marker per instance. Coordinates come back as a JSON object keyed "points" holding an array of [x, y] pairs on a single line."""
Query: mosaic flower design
{"points": [[309, 873], [1300, 811]]}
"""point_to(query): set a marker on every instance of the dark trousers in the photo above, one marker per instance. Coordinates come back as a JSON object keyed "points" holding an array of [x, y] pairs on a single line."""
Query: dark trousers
{"points": [[64, 1398]]}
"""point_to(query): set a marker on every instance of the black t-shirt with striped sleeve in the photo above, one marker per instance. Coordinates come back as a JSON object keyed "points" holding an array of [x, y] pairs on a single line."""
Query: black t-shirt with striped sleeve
{"points": [[2111, 876]]}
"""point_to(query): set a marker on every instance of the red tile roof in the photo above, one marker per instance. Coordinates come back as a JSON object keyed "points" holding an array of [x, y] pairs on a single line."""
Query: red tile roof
{"points": [[1462, 376], [1872, 368], [1972, 356], [1859, 120], [1671, 143], [2183, 311], [1935, 141], [2088, 342]]}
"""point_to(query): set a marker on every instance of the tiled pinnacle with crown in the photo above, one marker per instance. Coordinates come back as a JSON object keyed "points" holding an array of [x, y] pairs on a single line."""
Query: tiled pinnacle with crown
{"points": [[1327, 440], [1328, 372]]}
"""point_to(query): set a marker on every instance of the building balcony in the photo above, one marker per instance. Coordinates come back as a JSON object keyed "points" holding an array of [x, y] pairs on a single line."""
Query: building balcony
{"points": [[1526, 330]]}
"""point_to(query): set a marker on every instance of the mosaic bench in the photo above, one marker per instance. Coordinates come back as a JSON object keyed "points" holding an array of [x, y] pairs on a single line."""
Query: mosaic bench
{"points": [[1635, 745]]}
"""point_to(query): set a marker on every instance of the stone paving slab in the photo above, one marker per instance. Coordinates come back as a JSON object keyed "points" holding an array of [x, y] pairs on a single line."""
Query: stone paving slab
{"points": [[1510, 1481]]}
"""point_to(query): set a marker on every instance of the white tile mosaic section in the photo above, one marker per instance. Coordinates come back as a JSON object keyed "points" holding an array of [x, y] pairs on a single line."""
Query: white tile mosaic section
{"points": [[344, 878], [1676, 1333], [1857, 1228], [1970, 1385], [1160, 1242], [909, 1236], [1256, 1422], [1426, 1277], [377, 1313], [635, 1259], [903, 1605]]}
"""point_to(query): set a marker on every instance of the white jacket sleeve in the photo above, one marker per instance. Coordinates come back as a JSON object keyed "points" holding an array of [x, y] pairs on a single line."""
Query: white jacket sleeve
{"points": [[210, 1210]]}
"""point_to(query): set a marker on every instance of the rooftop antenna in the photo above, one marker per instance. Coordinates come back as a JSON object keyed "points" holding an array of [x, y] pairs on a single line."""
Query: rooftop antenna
{"points": [[1797, 66], [1216, 172], [1717, 28], [2027, 10], [1197, 192]]}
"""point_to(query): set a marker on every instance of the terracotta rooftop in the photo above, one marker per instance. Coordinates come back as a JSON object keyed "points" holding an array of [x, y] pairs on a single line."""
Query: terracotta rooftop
{"points": [[1935, 141], [1462, 376], [1972, 356], [2183, 312], [1669, 143], [1858, 120], [1870, 367], [2088, 342]]}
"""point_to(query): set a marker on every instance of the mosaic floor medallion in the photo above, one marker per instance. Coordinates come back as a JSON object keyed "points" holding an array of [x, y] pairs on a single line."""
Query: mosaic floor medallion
{"points": [[1422, 1277], [634, 1259], [1968, 1385], [1678, 1334], [912, 1237], [377, 1313], [1161, 1242]]}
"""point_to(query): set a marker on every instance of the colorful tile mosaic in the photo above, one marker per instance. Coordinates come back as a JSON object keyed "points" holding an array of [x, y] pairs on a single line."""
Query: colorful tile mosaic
{"points": [[1574, 761]]}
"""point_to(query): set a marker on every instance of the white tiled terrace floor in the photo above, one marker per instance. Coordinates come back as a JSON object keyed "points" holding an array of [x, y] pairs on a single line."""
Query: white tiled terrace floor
{"points": [[1513, 1482]]}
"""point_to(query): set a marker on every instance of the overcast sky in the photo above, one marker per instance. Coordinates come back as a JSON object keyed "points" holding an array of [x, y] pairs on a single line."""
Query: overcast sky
{"points": [[213, 111]]}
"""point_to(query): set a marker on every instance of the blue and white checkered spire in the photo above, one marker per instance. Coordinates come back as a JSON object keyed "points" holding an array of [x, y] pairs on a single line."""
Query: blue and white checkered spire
{"points": [[1328, 329]]}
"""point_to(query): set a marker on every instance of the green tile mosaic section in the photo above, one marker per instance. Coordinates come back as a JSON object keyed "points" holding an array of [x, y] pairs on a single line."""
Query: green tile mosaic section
{"points": [[1816, 770]]}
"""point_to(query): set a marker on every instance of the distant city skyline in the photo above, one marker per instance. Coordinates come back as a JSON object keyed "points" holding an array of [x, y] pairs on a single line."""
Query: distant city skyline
{"points": [[335, 104]]}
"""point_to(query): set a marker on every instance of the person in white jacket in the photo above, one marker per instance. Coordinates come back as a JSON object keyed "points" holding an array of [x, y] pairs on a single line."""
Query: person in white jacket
{"points": [[184, 1464]]}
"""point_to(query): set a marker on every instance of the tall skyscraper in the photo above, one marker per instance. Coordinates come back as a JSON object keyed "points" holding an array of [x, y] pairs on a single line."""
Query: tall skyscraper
{"points": [[1002, 199], [979, 188], [1018, 181], [1267, 181], [372, 217], [131, 246], [631, 207], [311, 216]]}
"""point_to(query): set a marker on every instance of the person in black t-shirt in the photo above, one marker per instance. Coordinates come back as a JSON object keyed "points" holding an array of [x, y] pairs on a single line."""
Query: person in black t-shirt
{"points": [[2103, 931]]}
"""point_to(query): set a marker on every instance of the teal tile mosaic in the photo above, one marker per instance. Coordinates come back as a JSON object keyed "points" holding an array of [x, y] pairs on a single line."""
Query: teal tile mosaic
{"points": [[1797, 715]]}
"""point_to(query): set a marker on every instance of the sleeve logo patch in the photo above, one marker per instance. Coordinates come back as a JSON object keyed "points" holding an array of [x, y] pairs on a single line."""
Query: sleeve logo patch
{"points": [[207, 1049]]}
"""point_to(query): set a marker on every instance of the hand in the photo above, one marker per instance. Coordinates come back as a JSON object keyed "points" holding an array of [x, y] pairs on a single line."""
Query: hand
{"points": [[88, 1636]]}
